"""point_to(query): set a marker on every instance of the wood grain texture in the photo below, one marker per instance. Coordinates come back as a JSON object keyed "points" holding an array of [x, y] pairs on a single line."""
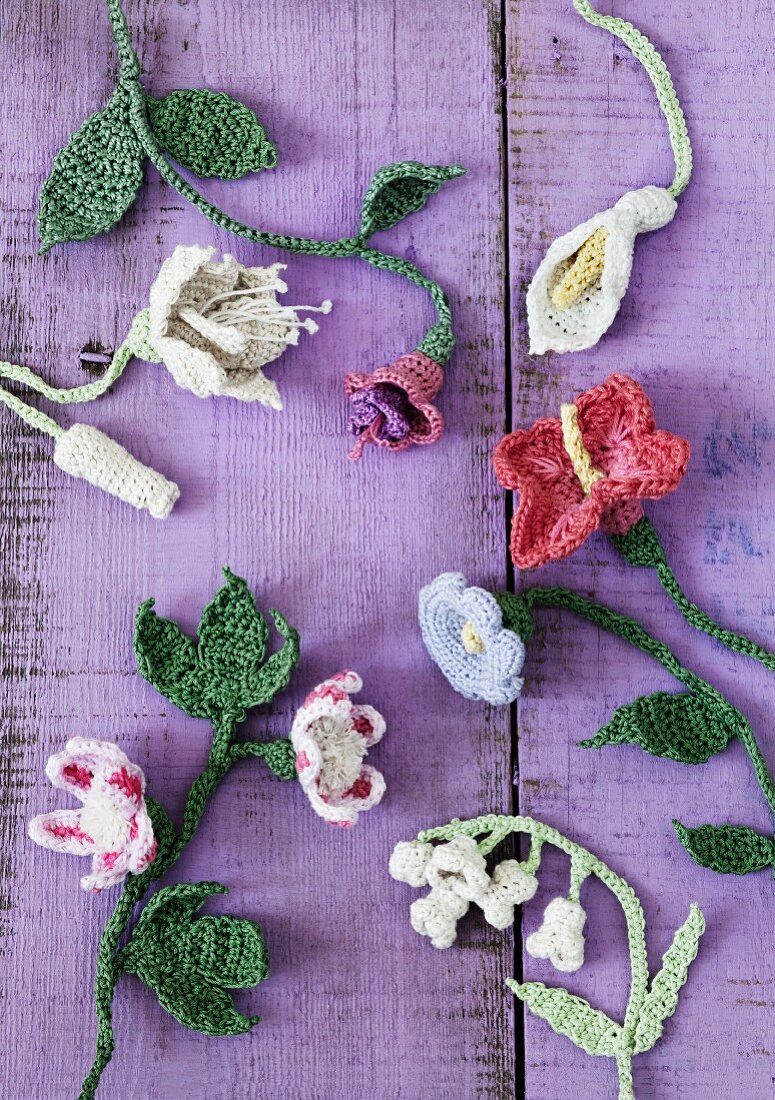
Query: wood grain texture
{"points": [[357, 1005], [584, 128]]}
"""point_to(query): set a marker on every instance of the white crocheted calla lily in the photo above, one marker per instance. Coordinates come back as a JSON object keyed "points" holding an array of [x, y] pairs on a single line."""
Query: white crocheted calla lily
{"points": [[331, 736], [576, 291], [216, 325], [561, 936], [112, 826]]}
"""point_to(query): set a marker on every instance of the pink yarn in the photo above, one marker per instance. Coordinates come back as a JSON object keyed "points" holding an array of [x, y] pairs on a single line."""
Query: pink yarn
{"points": [[420, 378]]}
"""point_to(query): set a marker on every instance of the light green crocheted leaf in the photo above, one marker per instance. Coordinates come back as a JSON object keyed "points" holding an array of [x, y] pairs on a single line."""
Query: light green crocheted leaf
{"points": [[94, 179], [689, 728], [571, 1016], [167, 659], [728, 849], [662, 999], [232, 640], [211, 133], [398, 190]]}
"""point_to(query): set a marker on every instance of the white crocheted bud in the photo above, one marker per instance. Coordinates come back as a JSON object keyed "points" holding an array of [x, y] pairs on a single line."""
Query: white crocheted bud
{"points": [[88, 453], [577, 316], [459, 866], [510, 886], [560, 938], [409, 861], [436, 915]]}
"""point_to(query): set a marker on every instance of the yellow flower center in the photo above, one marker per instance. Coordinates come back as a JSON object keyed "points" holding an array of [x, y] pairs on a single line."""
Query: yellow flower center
{"points": [[472, 643], [584, 271], [583, 467]]}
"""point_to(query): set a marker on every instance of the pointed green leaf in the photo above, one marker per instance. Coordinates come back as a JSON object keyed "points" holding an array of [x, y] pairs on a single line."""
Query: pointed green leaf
{"points": [[94, 179], [662, 999], [167, 659], [211, 133], [197, 1004], [398, 190], [572, 1016], [232, 640], [728, 849], [689, 728], [275, 675], [175, 905], [229, 951]]}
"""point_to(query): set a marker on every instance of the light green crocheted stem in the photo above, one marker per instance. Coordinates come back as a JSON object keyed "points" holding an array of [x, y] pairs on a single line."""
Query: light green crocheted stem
{"points": [[33, 417], [658, 73]]}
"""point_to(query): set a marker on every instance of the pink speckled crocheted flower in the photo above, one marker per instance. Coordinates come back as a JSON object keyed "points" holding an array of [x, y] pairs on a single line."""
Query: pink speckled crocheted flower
{"points": [[112, 826], [591, 469], [331, 736], [393, 406]]}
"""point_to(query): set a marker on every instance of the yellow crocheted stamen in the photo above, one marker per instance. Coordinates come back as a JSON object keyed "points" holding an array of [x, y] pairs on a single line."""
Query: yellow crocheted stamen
{"points": [[585, 270], [472, 643], [583, 467]]}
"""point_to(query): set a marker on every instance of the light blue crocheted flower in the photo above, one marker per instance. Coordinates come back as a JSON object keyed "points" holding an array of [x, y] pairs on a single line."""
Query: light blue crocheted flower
{"points": [[464, 633]]}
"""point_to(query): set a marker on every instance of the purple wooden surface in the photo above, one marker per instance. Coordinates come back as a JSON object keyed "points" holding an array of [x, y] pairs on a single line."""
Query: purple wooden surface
{"points": [[357, 1005]]}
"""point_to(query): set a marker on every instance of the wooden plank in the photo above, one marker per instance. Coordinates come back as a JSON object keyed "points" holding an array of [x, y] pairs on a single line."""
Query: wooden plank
{"points": [[584, 128], [357, 1004]]}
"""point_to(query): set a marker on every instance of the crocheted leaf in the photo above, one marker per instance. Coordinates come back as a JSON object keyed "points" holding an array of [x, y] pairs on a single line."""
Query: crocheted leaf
{"points": [[662, 999], [230, 951], [728, 849], [689, 728], [211, 133], [167, 659], [94, 179], [398, 190], [571, 1016], [206, 1008], [275, 675], [232, 638]]}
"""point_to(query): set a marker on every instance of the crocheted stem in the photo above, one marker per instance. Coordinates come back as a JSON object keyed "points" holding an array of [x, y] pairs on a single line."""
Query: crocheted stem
{"points": [[652, 62], [33, 417], [624, 1069], [641, 546]]}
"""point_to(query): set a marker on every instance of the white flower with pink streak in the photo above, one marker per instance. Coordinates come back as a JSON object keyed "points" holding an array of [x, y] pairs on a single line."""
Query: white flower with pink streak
{"points": [[331, 736], [112, 825]]}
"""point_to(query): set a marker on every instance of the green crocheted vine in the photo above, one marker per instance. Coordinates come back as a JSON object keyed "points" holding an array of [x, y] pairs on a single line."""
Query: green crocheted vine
{"points": [[650, 1003], [192, 964]]}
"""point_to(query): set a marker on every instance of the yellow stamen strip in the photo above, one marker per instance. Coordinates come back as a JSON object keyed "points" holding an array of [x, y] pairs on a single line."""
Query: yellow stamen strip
{"points": [[472, 643], [585, 270], [583, 467]]}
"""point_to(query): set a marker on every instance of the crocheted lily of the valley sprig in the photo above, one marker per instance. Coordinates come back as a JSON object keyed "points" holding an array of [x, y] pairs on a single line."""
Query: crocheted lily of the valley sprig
{"points": [[477, 638], [192, 964], [453, 864], [96, 178]]}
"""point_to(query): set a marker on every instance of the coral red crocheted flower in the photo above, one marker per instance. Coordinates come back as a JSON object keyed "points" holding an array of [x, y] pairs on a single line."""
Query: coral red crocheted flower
{"points": [[591, 468], [393, 406]]}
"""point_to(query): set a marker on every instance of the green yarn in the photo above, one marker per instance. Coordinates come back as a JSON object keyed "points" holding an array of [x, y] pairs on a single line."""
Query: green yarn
{"points": [[648, 1005], [658, 73], [279, 756]]}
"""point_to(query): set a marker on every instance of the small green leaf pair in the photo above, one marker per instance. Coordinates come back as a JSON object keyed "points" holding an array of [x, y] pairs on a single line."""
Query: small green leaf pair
{"points": [[192, 964], [398, 190], [96, 177], [225, 674]]}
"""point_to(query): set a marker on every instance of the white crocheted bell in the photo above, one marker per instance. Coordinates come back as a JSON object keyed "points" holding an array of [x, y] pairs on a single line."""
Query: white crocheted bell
{"points": [[576, 292]]}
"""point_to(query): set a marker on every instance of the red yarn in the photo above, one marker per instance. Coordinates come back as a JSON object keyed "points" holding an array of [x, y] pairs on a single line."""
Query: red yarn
{"points": [[618, 429]]}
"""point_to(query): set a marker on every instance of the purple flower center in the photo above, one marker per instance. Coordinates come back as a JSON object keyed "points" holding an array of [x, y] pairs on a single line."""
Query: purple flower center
{"points": [[385, 408]]}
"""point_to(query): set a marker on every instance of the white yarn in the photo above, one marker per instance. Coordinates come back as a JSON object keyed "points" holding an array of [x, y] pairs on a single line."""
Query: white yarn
{"points": [[583, 323], [436, 915], [510, 886], [88, 453], [409, 862], [560, 938]]}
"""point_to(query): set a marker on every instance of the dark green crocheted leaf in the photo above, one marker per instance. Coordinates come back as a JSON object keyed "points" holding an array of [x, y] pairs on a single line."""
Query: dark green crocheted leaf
{"points": [[175, 905], [728, 849], [689, 728], [203, 1007], [572, 1016], [95, 178], [229, 951], [211, 133], [167, 659], [661, 1000], [398, 190], [275, 675], [232, 640]]}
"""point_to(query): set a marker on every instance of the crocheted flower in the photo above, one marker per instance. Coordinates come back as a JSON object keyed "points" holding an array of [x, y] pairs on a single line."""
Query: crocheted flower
{"points": [[589, 468], [409, 862], [393, 406], [112, 826], [576, 292], [215, 325], [458, 866], [560, 938], [509, 886], [331, 736], [436, 915], [464, 633]]}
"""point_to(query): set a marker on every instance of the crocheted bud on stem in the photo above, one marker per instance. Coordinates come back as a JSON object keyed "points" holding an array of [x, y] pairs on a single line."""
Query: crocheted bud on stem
{"points": [[88, 453]]}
